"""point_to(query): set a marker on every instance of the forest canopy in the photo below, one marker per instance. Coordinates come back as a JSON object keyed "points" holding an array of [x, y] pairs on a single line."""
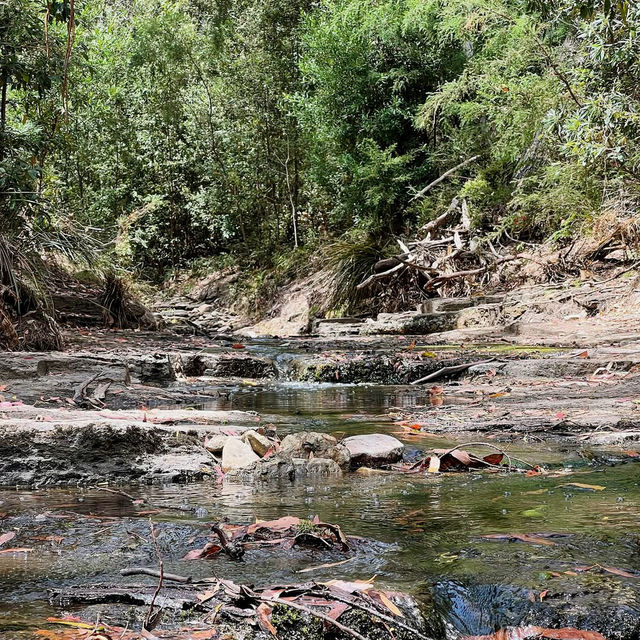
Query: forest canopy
{"points": [[165, 131]]}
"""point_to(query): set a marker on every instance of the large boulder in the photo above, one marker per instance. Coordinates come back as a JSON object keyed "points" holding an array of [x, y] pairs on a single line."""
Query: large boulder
{"points": [[310, 444], [237, 455], [373, 450], [277, 469]]}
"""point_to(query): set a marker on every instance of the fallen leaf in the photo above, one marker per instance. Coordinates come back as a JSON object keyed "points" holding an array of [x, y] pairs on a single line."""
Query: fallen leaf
{"points": [[411, 346], [70, 621], [434, 464], [543, 594], [621, 572], [337, 610], [351, 587], [263, 613], [582, 485], [388, 604], [5, 537], [238, 345], [209, 549], [279, 526], [520, 537]]}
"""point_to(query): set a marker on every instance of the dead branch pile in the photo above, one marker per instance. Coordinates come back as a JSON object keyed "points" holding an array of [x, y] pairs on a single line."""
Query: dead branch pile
{"points": [[449, 258], [352, 609]]}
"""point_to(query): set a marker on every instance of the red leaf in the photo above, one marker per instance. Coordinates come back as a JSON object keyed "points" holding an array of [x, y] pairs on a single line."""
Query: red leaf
{"points": [[237, 345], [263, 613], [209, 549], [621, 572], [494, 458], [279, 526]]}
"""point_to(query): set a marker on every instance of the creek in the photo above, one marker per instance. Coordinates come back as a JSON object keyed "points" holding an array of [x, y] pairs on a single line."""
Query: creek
{"points": [[425, 531]]}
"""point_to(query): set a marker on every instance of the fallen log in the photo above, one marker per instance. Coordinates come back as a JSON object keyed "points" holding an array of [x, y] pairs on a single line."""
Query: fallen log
{"points": [[446, 371]]}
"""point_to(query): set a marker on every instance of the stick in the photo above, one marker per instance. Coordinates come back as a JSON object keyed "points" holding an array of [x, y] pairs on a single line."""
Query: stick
{"points": [[453, 369], [79, 391], [441, 219], [446, 174], [117, 492], [154, 573], [377, 276], [315, 614], [147, 620], [635, 265]]}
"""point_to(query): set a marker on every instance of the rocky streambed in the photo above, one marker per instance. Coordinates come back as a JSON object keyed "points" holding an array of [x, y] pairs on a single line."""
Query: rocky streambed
{"points": [[97, 441]]}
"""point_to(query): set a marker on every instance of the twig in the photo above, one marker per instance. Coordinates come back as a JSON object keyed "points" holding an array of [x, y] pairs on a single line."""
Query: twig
{"points": [[154, 573], [116, 491], [441, 219], [445, 371], [79, 391], [311, 612], [147, 620], [377, 276], [446, 174], [635, 265]]}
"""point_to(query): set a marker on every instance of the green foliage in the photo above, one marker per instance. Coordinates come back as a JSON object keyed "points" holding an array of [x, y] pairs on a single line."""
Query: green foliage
{"points": [[258, 131], [351, 260]]}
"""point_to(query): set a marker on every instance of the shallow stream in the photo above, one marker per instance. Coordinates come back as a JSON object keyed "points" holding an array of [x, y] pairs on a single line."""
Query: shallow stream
{"points": [[425, 532]]}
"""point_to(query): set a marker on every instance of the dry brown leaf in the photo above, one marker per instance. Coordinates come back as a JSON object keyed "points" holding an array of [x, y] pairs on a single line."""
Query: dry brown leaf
{"points": [[263, 613]]}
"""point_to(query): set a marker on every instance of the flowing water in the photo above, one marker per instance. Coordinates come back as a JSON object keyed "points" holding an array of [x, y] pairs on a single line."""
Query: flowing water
{"points": [[425, 532]]}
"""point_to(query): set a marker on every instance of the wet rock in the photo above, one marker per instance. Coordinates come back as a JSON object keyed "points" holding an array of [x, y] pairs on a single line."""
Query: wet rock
{"points": [[215, 442], [411, 323], [237, 454], [275, 469], [308, 444], [239, 366], [259, 443], [373, 450], [41, 454]]}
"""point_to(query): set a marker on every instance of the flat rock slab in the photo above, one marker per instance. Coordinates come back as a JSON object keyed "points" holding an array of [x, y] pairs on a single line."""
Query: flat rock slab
{"points": [[373, 450], [43, 447]]}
